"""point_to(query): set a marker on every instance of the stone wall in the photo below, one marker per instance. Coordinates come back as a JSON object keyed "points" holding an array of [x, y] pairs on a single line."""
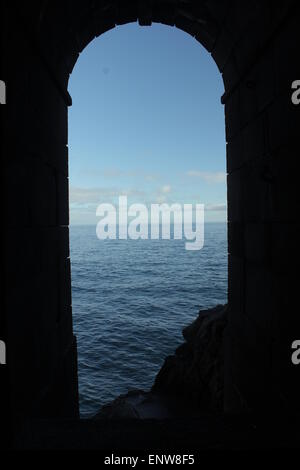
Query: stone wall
{"points": [[254, 45], [41, 349], [195, 373]]}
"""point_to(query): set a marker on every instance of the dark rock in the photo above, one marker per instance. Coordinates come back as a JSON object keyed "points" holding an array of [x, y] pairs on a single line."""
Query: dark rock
{"points": [[123, 407], [196, 370], [141, 405], [190, 381]]}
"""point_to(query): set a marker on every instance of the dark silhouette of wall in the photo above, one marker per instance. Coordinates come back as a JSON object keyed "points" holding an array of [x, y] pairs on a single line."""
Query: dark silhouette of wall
{"points": [[254, 45]]}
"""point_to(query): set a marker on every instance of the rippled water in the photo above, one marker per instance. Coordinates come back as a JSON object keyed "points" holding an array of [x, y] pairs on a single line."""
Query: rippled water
{"points": [[131, 300]]}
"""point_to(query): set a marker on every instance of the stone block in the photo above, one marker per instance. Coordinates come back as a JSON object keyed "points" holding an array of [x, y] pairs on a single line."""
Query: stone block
{"points": [[62, 184], [232, 115], [260, 295], [285, 50], [286, 285], [285, 378], [17, 183], [284, 184], [254, 139], [47, 107], [64, 242], [235, 153], [249, 98], [83, 38], [206, 39], [284, 239], [258, 242], [236, 274], [218, 9], [43, 198], [235, 195], [266, 79], [65, 330], [126, 13], [250, 36], [230, 74], [223, 49], [63, 394], [257, 189], [65, 292], [284, 122], [163, 13], [104, 25], [30, 194], [251, 370], [236, 239], [187, 25]]}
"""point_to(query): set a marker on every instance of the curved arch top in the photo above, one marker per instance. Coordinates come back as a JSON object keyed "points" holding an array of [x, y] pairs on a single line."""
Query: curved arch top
{"points": [[254, 45], [194, 18]]}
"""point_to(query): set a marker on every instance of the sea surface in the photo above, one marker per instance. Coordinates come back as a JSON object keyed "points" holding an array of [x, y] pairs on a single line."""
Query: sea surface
{"points": [[131, 299]]}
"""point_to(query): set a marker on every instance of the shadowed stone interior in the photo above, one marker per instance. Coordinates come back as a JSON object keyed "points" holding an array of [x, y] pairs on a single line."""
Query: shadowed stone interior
{"points": [[254, 45]]}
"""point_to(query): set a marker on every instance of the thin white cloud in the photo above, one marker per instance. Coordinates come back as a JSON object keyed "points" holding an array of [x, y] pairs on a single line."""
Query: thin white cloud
{"points": [[216, 207], [151, 178], [84, 196], [209, 177], [166, 189], [89, 195], [87, 199], [118, 173], [160, 199]]}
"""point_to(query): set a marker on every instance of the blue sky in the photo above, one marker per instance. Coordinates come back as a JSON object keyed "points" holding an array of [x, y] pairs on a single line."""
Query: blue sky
{"points": [[146, 122]]}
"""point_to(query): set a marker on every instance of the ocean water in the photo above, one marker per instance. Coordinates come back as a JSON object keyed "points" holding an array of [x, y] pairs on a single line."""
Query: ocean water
{"points": [[131, 299]]}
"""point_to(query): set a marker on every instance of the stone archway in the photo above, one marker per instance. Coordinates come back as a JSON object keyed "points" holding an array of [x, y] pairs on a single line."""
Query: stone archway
{"points": [[253, 47]]}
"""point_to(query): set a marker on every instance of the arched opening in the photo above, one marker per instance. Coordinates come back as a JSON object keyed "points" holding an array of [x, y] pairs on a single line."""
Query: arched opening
{"points": [[147, 123], [254, 46]]}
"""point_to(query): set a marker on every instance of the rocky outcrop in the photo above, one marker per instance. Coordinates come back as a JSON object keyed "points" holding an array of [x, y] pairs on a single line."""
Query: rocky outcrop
{"points": [[189, 382], [196, 370], [123, 407], [138, 404]]}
